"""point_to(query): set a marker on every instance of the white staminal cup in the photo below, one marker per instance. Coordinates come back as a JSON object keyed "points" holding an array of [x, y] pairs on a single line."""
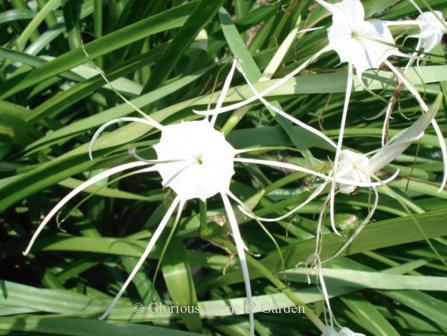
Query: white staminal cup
{"points": [[206, 160], [352, 167]]}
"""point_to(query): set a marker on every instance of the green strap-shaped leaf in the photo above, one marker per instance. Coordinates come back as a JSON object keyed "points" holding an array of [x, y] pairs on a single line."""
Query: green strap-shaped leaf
{"points": [[201, 15], [386, 233], [178, 278], [167, 20]]}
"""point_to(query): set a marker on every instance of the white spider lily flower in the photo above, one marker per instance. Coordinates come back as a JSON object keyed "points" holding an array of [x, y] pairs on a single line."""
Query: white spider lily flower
{"points": [[433, 27], [355, 172], [195, 161], [357, 169], [365, 44], [384, 156]]}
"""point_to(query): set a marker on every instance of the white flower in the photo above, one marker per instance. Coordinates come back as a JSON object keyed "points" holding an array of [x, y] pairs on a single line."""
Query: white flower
{"points": [[209, 165], [364, 44], [433, 27], [352, 167], [357, 170]]}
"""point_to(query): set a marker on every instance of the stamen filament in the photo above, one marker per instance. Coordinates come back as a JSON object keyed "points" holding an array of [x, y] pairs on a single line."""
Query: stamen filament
{"points": [[339, 147]]}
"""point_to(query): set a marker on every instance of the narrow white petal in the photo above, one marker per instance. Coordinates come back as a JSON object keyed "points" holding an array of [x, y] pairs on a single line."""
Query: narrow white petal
{"points": [[284, 165], [409, 86], [76, 191], [247, 212], [145, 254], [435, 125], [359, 228], [151, 121], [403, 140], [285, 115], [224, 91], [339, 146], [276, 85], [402, 23], [325, 292], [241, 253], [416, 6], [293, 167]]}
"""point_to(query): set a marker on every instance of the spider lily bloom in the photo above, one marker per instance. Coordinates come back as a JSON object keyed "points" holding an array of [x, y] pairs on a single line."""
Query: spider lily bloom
{"points": [[361, 167], [195, 161], [354, 171], [433, 27], [358, 170], [363, 44]]}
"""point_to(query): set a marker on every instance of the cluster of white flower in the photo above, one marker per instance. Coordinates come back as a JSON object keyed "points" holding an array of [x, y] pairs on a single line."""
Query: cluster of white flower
{"points": [[196, 161]]}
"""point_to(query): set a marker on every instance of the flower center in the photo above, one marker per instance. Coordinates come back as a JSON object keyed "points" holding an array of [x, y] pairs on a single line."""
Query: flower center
{"points": [[356, 35], [199, 159], [352, 167]]}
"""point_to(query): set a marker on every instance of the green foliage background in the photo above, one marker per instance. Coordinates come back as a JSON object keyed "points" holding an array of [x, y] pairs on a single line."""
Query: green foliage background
{"points": [[390, 282]]}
